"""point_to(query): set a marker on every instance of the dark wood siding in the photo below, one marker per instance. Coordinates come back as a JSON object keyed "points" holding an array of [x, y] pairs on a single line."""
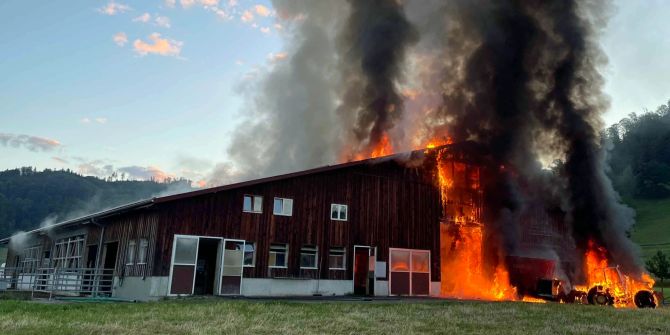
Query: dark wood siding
{"points": [[389, 205]]}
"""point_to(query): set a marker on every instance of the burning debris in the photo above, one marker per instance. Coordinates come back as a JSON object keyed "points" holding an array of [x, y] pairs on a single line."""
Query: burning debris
{"points": [[519, 78]]}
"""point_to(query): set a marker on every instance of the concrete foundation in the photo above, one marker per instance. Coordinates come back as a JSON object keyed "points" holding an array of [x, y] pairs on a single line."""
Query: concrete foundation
{"points": [[141, 289], [294, 287], [153, 288]]}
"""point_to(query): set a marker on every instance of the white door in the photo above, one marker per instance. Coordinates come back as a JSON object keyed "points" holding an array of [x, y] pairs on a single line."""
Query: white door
{"points": [[184, 259], [232, 265]]}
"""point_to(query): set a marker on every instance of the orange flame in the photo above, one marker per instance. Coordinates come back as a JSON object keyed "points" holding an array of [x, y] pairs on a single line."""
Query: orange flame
{"points": [[464, 274], [383, 148], [609, 279]]}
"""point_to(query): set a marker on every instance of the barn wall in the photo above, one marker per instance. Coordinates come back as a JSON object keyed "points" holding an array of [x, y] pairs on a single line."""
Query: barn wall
{"points": [[389, 206]]}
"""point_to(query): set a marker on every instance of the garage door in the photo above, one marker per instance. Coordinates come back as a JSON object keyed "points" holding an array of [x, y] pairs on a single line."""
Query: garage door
{"points": [[410, 272]]}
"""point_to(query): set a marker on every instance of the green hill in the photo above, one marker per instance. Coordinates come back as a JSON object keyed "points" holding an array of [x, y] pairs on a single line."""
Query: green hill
{"points": [[652, 229], [30, 198]]}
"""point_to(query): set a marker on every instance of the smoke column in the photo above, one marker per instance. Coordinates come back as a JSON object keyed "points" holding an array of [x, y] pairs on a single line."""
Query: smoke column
{"points": [[521, 78], [373, 49]]}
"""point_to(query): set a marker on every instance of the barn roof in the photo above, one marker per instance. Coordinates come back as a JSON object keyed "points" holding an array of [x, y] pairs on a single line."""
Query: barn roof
{"points": [[92, 218]]}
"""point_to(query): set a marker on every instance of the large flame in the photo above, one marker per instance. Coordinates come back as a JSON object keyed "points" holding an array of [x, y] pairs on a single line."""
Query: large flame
{"points": [[599, 273], [465, 275]]}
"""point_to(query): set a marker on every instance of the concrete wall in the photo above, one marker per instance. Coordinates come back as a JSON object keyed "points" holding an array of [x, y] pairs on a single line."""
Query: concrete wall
{"points": [[294, 287], [142, 289], [153, 288]]}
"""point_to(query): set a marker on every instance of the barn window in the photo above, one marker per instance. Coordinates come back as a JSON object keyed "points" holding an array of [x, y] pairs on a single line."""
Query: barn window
{"points": [[130, 253], [68, 252], [253, 204], [278, 255], [336, 259], [31, 259], [283, 206], [250, 254], [308, 257], [338, 212], [142, 252]]}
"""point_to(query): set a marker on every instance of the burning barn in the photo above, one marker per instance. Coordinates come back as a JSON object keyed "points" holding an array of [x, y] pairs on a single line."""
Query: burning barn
{"points": [[410, 224]]}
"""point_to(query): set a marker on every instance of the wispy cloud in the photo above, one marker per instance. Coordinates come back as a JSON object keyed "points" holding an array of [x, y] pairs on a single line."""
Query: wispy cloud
{"points": [[277, 57], [146, 17], [32, 143], [209, 2], [187, 3], [247, 16], [100, 120], [113, 8], [60, 160], [170, 3], [146, 173], [265, 30], [120, 39], [162, 21], [158, 46]]}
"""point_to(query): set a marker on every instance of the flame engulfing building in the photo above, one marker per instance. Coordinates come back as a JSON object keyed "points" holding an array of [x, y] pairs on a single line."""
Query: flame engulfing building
{"points": [[408, 224]]}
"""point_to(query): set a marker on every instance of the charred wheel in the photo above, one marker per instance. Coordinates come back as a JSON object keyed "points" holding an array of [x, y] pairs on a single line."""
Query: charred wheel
{"points": [[598, 296], [645, 299]]}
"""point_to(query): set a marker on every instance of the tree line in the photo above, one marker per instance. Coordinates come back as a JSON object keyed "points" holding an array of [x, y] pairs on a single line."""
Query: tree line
{"points": [[30, 198], [639, 155]]}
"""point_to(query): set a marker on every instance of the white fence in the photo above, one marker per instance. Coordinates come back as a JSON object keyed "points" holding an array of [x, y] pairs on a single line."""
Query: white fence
{"points": [[59, 281]]}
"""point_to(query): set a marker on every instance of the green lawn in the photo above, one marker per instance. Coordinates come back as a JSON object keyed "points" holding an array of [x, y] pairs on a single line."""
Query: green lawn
{"points": [[652, 225], [218, 316]]}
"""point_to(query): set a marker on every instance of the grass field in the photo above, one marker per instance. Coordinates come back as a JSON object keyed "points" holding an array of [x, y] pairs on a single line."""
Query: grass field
{"points": [[218, 316], [652, 230]]}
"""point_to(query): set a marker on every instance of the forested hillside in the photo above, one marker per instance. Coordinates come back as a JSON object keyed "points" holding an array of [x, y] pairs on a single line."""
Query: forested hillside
{"points": [[640, 154], [29, 198], [640, 170]]}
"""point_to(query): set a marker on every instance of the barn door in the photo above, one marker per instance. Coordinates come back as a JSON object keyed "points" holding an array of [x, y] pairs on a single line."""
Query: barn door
{"points": [[364, 270], [184, 260], [232, 265], [410, 272]]}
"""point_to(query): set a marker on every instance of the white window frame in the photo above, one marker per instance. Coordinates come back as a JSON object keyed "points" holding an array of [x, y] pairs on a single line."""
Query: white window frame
{"points": [[343, 255], [68, 252], [254, 199], [253, 262], [312, 251], [339, 210], [130, 252], [142, 247], [284, 202], [285, 256]]}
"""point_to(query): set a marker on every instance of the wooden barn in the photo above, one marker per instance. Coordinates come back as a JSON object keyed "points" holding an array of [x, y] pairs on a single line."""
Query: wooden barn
{"points": [[368, 227]]}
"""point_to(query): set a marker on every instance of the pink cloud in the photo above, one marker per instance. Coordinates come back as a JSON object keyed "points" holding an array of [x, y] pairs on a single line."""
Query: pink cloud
{"points": [[247, 16], [113, 8], [158, 46], [262, 10], [120, 39], [32, 143], [143, 18]]}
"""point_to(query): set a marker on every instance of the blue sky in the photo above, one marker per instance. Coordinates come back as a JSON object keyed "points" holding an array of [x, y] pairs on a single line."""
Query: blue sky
{"points": [[148, 87]]}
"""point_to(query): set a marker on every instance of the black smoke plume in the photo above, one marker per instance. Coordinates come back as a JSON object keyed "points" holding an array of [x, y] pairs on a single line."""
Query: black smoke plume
{"points": [[522, 78], [373, 48]]}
